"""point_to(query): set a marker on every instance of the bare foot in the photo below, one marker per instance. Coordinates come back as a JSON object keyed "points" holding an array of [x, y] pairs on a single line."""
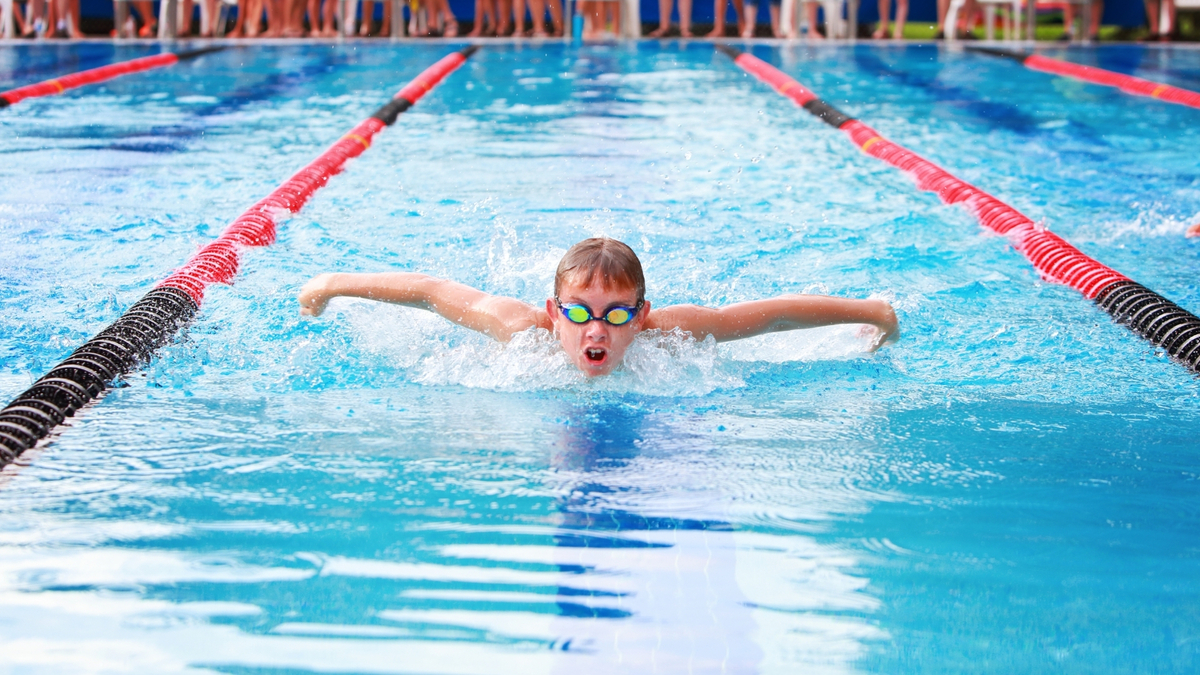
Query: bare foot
{"points": [[880, 33], [815, 35], [660, 31], [684, 32], [717, 32]]}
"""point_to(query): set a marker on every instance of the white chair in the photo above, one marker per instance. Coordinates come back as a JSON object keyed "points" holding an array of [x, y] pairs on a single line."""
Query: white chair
{"points": [[1164, 14], [836, 26], [631, 18], [7, 30], [1012, 22], [1084, 20]]}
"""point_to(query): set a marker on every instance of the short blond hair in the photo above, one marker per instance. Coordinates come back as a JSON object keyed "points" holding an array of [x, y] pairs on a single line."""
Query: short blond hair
{"points": [[613, 261]]}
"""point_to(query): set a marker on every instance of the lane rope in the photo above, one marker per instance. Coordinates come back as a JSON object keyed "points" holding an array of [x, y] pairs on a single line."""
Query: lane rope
{"points": [[151, 322], [1130, 304], [60, 84], [1126, 83]]}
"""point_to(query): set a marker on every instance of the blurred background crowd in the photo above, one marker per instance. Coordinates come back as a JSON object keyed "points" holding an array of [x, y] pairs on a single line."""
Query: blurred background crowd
{"points": [[603, 19]]}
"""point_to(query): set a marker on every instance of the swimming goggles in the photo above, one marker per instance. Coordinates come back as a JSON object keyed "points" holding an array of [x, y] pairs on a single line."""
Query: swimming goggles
{"points": [[613, 316]]}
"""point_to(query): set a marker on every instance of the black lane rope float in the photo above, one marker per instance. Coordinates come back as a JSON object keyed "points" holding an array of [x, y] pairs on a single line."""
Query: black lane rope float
{"points": [[60, 84], [153, 321], [1130, 304], [1126, 83]]}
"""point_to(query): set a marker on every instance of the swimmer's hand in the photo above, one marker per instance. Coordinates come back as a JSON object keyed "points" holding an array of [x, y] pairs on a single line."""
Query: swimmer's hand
{"points": [[885, 329], [1194, 231], [316, 294]]}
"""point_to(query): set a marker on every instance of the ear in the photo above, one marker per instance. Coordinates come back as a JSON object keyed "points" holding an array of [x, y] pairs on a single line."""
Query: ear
{"points": [[642, 317], [552, 312]]}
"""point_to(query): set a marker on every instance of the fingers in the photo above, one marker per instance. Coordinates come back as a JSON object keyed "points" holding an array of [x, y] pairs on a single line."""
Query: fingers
{"points": [[312, 297]]}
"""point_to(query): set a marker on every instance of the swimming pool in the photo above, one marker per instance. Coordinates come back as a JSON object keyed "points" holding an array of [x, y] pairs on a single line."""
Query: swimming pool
{"points": [[1010, 488]]}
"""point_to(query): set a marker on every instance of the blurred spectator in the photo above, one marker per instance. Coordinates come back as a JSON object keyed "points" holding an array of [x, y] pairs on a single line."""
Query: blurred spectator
{"points": [[719, 8], [664, 18], [885, 8]]}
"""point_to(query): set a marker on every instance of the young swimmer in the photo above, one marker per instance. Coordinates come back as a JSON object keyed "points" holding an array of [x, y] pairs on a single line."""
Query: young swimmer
{"points": [[605, 275]]}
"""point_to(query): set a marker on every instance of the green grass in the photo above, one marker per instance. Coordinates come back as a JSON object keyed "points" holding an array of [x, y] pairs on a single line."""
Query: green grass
{"points": [[1044, 31]]}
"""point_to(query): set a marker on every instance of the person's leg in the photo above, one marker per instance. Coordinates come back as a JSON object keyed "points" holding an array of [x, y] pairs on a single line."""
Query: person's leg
{"points": [[685, 18], [367, 20], [144, 7], [776, 29], [739, 14], [211, 7], [751, 23], [885, 8], [240, 22], [591, 11], [329, 16], [187, 8], [296, 19], [901, 17], [385, 29], [254, 11], [518, 18], [71, 14], [970, 12], [537, 12], [477, 29], [449, 21], [313, 9], [664, 19], [1152, 17], [1098, 13], [813, 33], [275, 18], [719, 8], [504, 17], [556, 16], [943, 6]]}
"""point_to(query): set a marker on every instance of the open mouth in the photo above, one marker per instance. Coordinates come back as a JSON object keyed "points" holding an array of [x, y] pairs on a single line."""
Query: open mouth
{"points": [[595, 355]]}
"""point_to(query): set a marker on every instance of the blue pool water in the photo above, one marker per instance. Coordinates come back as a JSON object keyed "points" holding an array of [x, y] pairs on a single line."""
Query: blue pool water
{"points": [[1012, 487]]}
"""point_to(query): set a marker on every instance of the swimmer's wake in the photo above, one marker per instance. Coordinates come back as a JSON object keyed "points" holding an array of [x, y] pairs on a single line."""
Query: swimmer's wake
{"points": [[158, 316]]}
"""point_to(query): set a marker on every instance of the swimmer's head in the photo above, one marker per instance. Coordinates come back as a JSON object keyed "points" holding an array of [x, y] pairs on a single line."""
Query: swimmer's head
{"points": [[598, 274], [608, 261]]}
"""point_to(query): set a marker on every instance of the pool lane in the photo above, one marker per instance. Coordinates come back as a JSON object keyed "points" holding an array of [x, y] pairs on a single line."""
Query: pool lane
{"points": [[155, 319], [1148, 314], [58, 85]]}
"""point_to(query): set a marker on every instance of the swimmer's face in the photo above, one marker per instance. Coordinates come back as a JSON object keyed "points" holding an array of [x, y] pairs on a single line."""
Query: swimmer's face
{"points": [[596, 347]]}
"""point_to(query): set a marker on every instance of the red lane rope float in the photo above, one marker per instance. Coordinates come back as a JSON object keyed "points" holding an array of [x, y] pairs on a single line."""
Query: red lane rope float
{"points": [[1143, 311], [1126, 83], [154, 320], [60, 84]]}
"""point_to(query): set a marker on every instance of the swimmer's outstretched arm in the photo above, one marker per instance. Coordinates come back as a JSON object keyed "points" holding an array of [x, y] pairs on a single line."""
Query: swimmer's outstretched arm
{"points": [[492, 315], [786, 312]]}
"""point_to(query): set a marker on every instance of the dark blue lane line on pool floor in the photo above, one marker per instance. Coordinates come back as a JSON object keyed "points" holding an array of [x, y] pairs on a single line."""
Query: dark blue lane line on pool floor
{"points": [[173, 138], [989, 113]]}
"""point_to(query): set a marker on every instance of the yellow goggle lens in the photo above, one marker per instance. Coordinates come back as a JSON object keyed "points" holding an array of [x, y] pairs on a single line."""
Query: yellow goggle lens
{"points": [[578, 315], [618, 316]]}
